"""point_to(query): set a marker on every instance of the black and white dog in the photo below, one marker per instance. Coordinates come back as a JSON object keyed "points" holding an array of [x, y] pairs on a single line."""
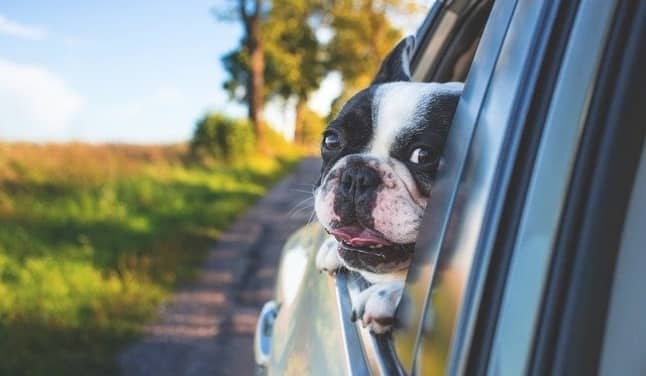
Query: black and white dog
{"points": [[380, 155]]}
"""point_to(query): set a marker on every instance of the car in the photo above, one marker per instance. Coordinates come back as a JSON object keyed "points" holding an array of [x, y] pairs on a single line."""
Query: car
{"points": [[530, 258]]}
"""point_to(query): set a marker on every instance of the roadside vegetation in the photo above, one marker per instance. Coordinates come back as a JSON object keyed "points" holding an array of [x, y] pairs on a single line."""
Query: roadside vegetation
{"points": [[94, 237]]}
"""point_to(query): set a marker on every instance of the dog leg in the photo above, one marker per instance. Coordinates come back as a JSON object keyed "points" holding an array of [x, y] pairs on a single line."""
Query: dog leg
{"points": [[327, 258], [376, 305]]}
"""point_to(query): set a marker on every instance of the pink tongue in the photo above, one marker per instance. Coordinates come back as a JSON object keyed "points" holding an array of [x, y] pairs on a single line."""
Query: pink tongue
{"points": [[359, 236]]}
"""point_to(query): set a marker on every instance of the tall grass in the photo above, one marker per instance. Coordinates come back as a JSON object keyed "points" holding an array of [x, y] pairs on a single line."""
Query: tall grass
{"points": [[93, 238]]}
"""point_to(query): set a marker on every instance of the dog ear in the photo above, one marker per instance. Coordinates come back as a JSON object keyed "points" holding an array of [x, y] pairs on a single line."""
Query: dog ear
{"points": [[396, 66]]}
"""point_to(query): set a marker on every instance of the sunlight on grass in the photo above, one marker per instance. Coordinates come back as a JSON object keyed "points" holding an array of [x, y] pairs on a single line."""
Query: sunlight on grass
{"points": [[93, 238]]}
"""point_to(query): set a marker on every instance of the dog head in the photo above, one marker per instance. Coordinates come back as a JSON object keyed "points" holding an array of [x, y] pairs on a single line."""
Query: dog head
{"points": [[380, 155]]}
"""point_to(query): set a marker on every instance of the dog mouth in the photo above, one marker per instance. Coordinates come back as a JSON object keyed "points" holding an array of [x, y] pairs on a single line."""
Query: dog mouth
{"points": [[360, 237], [367, 249]]}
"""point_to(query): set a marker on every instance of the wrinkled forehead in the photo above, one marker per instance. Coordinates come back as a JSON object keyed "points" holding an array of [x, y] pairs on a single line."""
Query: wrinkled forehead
{"points": [[399, 109]]}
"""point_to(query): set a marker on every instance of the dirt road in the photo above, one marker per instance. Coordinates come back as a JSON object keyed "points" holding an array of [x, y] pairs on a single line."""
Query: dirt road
{"points": [[207, 327]]}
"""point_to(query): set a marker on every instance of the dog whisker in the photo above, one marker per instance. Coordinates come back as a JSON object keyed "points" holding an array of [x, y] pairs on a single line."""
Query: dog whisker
{"points": [[300, 191], [311, 217], [300, 205]]}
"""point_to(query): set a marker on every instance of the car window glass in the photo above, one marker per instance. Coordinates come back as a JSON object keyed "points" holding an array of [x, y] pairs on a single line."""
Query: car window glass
{"points": [[462, 43]]}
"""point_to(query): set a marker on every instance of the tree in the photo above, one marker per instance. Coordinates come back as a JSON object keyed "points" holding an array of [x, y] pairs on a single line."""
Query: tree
{"points": [[247, 64], [295, 57], [292, 55]]}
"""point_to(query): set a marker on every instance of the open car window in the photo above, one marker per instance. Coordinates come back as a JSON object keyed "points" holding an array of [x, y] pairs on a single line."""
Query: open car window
{"points": [[445, 48]]}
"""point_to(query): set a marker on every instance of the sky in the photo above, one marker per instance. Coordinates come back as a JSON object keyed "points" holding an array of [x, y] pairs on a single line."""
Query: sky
{"points": [[118, 71]]}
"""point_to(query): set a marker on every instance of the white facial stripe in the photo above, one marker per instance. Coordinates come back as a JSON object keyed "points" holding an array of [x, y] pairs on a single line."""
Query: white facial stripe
{"points": [[394, 110]]}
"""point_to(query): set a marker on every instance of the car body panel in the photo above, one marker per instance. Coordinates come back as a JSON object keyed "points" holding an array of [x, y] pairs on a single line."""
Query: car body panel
{"points": [[312, 332], [307, 332]]}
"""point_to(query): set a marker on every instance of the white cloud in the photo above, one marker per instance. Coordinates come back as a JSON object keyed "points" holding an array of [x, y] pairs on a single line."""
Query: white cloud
{"points": [[36, 104], [19, 30]]}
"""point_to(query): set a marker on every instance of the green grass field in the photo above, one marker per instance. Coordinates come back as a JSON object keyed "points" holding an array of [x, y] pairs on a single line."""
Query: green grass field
{"points": [[93, 238]]}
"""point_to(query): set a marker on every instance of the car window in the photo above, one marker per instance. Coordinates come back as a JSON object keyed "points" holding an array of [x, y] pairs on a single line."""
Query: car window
{"points": [[447, 41], [445, 47]]}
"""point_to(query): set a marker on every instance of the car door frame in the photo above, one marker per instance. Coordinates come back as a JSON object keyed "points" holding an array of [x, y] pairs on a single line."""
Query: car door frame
{"points": [[486, 135], [570, 335], [554, 295]]}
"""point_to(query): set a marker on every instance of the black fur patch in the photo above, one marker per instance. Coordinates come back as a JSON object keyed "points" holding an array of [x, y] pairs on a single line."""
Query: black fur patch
{"points": [[431, 132], [354, 126]]}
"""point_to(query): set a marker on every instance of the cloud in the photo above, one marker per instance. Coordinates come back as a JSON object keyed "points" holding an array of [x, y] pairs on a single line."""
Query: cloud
{"points": [[35, 104], [19, 30]]}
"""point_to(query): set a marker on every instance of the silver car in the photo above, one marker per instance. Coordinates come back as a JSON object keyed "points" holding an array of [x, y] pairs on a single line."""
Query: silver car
{"points": [[532, 254]]}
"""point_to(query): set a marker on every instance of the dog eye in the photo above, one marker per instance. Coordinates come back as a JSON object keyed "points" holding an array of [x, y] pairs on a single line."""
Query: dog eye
{"points": [[421, 156], [332, 141]]}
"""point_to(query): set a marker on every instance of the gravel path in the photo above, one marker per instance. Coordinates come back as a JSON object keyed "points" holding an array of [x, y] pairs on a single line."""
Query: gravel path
{"points": [[207, 327]]}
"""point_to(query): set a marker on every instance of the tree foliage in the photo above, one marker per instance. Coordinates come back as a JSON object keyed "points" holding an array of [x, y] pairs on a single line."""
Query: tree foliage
{"points": [[296, 58], [363, 36]]}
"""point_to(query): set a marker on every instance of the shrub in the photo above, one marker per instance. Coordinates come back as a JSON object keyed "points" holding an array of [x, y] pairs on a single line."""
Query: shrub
{"points": [[218, 136]]}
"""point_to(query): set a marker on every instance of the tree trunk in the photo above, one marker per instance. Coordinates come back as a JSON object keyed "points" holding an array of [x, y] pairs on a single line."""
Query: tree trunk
{"points": [[299, 127], [256, 82]]}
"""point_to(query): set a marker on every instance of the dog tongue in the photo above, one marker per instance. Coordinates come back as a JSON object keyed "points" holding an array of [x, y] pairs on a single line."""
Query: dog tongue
{"points": [[359, 236]]}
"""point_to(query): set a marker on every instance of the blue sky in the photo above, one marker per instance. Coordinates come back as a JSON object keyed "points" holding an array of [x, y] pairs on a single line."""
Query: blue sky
{"points": [[139, 71], [134, 71]]}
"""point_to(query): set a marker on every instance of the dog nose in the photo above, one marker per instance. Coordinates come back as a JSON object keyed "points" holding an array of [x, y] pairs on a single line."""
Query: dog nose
{"points": [[359, 180]]}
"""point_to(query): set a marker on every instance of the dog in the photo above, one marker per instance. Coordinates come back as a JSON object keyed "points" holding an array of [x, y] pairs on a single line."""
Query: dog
{"points": [[380, 156]]}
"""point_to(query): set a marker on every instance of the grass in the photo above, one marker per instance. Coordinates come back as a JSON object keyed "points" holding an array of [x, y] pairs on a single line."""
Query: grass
{"points": [[93, 238]]}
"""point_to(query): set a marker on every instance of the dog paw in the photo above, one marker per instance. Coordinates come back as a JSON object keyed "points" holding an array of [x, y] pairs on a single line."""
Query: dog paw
{"points": [[327, 258], [376, 306]]}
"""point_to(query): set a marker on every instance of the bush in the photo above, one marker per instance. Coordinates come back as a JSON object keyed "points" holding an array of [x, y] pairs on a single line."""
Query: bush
{"points": [[220, 137]]}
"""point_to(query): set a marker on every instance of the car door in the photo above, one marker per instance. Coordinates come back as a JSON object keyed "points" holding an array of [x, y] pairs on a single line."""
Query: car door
{"points": [[513, 272]]}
